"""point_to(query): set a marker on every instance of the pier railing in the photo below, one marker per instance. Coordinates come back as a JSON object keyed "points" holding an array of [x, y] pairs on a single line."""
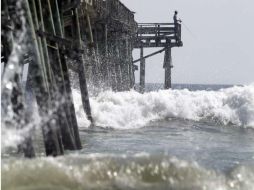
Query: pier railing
{"points": [[158, 34]]}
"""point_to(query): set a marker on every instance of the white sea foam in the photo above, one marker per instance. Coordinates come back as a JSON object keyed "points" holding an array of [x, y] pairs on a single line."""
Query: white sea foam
{"points": [[104, 171], [126, 110]]}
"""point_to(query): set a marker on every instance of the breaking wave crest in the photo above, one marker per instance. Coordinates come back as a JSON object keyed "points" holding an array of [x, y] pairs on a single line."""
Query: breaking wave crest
{"points": [[114, 172], [126, 110]]}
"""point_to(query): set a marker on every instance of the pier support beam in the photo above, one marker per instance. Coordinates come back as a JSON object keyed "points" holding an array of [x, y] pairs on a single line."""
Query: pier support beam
{"points": [[36, 75], [112, 64], [142, 70], [167, 66], [57, 62], [124, 57], [119, 74], [131, 66], [105, 70], [82, 73]]}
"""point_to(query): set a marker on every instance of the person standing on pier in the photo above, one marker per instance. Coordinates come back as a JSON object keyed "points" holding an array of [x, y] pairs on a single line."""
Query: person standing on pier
{"points": [[176, 21]]}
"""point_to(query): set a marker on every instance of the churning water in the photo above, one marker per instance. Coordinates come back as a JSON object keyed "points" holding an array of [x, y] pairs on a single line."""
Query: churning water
{"points": [[163, 139]]}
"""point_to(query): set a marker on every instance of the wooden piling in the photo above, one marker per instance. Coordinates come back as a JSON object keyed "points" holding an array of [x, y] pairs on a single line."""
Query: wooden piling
{"points": [[131, 66], [118, 64], [106, 57], [36, 77], [57, 68], [82, 73], [142, 70], [124, 55], [66, 80], [167, 66], [113, 64]]}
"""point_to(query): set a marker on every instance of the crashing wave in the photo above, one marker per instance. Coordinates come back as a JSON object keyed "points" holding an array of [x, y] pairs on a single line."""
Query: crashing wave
{"points": [[127, 110]]}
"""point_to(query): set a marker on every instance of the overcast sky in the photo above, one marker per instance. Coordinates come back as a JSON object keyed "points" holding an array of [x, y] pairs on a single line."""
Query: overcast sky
{"points": [[218, 50]]}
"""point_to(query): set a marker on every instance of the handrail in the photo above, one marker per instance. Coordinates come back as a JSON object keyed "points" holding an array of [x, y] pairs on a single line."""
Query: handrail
{"points": [[149, 24], [158, 35]]}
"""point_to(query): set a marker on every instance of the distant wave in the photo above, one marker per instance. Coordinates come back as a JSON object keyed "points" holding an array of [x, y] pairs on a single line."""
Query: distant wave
{"points": [[126, 110]]}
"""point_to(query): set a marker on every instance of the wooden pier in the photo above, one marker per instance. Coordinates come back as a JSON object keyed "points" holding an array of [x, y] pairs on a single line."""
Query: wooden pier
{"points": [[157, 35], [93, 38]]}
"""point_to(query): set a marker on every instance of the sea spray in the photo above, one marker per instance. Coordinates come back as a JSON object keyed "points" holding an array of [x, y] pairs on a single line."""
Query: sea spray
{"points": [[14, 125]]}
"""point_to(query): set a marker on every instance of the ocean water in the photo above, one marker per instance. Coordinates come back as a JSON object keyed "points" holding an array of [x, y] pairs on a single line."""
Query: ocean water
{"points": [[192, 137]]}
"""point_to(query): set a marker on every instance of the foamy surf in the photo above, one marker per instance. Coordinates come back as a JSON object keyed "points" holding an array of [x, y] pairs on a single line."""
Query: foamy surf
{"points": [[128, 110], [131, 110], [120, 172]]}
